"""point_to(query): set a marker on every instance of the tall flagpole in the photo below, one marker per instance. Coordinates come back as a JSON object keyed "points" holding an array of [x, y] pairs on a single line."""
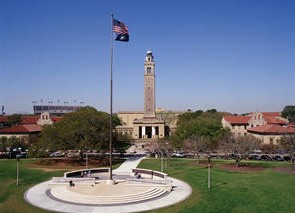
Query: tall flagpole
{"points": [[111, 99]]}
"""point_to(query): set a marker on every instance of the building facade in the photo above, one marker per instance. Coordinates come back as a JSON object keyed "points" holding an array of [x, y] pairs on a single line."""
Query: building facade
{"points": [[267, 126], [29, 125], [55, 110]]}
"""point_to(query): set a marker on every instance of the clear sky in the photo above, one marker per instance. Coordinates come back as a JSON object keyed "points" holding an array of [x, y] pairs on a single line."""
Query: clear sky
{"points": [[232, 55]]}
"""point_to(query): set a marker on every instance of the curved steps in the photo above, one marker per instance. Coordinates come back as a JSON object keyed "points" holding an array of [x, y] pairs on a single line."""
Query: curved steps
{"points": [[63, 193]]}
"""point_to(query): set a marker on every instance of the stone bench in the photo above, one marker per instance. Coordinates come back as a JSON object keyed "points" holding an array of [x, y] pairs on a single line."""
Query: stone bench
{"points": [[56, 181], [80, 173], [146, 173]]}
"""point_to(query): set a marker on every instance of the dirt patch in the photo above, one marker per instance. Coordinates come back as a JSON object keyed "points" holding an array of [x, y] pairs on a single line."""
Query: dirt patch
{"points": [[201, 163], [241, 168], [55, 164], [285, 169]]}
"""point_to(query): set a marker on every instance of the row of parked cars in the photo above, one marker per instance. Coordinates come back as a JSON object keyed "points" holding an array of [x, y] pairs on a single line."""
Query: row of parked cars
{"points": [[14, 153], [270, 157], [253, 156]]}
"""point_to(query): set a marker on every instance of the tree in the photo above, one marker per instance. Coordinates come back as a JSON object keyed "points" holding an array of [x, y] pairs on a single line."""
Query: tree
{"points": [[83, 130], [3, 144], [12, 143], [116, 120], [121, 141], [206, 124], [162, 149], [195, 145], [14, 120], [188, 116], [287, 142], [161, 146], [242, 146], [289, 113], [169, 119]]}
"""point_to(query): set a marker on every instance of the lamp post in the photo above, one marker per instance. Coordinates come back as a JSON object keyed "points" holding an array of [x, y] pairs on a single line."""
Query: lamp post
{"points": [[86, 160], [209, 178], [17, 169], [162, 169]]}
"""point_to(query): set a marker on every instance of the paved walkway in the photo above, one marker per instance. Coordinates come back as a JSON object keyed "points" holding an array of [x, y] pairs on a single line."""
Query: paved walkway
{"points": [[37, 196], [128, 165]]}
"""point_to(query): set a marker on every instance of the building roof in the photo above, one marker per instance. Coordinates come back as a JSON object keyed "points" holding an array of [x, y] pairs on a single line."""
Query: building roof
{"points": [[21, 129], [29, 119], [239, 119], [275, 120], [271, 129], [269, 117], [277, 114], [3, 119]]}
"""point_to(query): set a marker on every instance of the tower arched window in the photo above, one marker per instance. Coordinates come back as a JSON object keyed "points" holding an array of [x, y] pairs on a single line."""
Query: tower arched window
{"points": [[148, 70]]}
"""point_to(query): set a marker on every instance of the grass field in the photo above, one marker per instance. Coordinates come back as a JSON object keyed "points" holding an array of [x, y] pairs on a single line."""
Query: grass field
{"points": [[263, 191]]}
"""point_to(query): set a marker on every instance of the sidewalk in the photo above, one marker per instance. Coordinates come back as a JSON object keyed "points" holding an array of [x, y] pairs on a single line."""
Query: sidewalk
{"points": [[128, 165]]}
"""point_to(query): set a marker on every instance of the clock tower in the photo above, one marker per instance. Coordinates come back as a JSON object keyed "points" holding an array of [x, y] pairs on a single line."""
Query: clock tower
{"points": [[147, 127], [149, 86]]}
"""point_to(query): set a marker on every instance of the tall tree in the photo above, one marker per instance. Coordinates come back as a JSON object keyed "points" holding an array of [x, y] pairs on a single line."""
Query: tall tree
{"points": [[195, 145], [287, 142], [289, 113], [121, 142], [202, 124], [83, 130], [241, 146]]}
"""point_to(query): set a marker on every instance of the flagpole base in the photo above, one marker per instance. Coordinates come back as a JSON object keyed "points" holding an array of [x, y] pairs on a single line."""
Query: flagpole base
{"points": [[110, 182]]}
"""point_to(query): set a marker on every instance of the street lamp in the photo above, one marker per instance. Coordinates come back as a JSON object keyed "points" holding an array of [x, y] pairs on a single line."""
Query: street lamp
{"points": [[162, 169], [17, 169], [209, 165], [86, 160]]}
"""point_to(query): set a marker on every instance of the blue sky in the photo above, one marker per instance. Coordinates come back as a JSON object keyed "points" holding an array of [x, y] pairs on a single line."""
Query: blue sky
{"points": [[232, 55]]}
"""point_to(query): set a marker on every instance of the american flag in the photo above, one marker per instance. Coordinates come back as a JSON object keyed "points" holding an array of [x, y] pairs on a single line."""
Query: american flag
{"points": [[119, 27]]}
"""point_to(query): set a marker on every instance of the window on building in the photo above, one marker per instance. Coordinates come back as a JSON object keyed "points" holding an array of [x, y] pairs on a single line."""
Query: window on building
{"points": [[149, 70]]}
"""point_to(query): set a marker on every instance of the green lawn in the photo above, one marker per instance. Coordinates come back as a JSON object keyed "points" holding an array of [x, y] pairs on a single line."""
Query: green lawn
{"points": [[12, 196], [264, 191]]}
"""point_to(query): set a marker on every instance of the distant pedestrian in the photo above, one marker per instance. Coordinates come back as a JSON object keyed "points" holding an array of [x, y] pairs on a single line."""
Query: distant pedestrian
{"points": [[71, 183]]}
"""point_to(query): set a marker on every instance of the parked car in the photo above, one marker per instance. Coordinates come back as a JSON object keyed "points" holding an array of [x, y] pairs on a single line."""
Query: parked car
{"points": [[287, 158], [278, 157], [178, 154], [17, 153], [57, 154], [254, 157]]}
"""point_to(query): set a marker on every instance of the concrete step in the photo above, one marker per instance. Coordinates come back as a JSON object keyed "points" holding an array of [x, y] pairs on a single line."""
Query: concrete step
{"points": [[64, 193]]}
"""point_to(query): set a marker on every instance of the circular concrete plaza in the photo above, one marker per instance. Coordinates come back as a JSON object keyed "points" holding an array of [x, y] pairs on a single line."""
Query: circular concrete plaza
{"points": [[124, 196]]}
